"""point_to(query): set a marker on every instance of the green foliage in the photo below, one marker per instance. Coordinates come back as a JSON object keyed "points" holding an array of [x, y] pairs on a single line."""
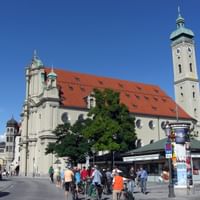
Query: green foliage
{"points": [[50, 148], [69, 142], [112, 127], [109, 126]]}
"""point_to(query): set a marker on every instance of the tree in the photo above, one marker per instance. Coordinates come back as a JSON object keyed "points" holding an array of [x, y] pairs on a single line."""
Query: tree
{"points": [[112, 126], [69, 142]]}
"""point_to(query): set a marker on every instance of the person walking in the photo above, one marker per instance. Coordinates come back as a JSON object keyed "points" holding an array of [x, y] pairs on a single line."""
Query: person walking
{"points": [[143, 180], [68, 178], [132, 173], [96, 181], [51, 173], [57, 173], [109, 179], [118, 186], [131, 181]]}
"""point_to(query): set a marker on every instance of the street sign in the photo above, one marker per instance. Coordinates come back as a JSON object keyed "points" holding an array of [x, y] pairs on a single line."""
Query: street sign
{"points": [[168, 150]]}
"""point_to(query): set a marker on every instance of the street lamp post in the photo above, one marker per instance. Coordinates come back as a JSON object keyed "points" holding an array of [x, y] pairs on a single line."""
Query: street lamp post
{"points": [[33, 166], [171, 184], [93, 152], [113, 159]]}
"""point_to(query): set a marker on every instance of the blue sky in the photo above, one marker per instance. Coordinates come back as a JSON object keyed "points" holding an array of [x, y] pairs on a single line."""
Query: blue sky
{"points": [[124, 39]]}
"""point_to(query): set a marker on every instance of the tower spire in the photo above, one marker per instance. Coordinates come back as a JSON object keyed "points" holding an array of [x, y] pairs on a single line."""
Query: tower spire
{"points": [[179, 11], [34, 54], [180, 20], [52, 68]]}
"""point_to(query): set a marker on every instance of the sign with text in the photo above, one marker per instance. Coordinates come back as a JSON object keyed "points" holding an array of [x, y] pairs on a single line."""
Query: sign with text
{"points": [[168, 150]]}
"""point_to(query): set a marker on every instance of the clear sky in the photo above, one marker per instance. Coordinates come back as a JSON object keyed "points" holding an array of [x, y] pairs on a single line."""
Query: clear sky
{"points": [[124, 39]]}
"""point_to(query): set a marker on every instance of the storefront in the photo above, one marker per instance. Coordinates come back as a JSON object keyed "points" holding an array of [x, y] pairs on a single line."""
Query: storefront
{"points": [[152, 157]]}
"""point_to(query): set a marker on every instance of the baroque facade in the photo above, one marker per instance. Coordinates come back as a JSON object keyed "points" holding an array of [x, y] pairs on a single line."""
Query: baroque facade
{"points": [[54, 96]]}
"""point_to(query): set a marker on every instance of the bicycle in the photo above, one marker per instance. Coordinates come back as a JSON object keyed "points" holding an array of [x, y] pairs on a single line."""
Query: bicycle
{"points": [[74, 191], [96, 191]]}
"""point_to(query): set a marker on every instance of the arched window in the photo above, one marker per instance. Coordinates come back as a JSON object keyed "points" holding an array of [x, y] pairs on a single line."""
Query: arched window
{"points": [[179, 68], [80, 117], [139, 143], [151, 141], [193, 94], [91, 103], [190, 67]]}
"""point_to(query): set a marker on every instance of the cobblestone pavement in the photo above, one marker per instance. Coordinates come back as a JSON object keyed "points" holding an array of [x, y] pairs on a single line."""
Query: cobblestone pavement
{"points": [[155, 191]]}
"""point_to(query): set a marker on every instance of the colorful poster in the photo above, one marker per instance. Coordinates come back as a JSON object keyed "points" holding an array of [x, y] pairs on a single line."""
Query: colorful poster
{"points": [[181, 174]]}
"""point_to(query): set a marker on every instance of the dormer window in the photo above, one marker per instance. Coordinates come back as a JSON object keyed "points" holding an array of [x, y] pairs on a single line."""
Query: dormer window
{"points": [[77, 79], [71, 88], [91, 102], [120, 85], [82, 89], [100, 82]]}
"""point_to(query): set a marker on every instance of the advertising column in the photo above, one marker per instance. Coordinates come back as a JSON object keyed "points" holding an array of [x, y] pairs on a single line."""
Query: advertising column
{"points": [[182, 167]]}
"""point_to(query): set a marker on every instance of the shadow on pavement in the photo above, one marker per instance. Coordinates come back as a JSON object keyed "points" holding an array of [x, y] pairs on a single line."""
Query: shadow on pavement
{"points": [[2, 194], [2, 180], [106, 198]]}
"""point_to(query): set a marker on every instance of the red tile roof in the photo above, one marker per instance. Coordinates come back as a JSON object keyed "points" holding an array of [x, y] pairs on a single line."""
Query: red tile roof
{"points": [[140, 98]]}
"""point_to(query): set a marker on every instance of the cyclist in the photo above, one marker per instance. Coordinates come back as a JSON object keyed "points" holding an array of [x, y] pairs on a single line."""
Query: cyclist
{"points": [[77, 177], [96, 181], [84, 177]]}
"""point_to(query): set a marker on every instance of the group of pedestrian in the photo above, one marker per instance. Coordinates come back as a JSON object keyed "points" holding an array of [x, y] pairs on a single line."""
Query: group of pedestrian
{"points": [[93, 180]]}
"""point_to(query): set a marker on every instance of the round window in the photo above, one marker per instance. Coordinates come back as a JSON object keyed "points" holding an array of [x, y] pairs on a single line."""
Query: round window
{"points": [[151, 124], [139, 123], [163, 125], [65, 117]]}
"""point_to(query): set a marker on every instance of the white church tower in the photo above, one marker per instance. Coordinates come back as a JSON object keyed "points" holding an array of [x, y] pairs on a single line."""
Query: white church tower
{"points": [[186, 82]]}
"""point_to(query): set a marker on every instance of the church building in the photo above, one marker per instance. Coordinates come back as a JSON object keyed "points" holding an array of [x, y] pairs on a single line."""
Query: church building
{"points": [[54, 96]]}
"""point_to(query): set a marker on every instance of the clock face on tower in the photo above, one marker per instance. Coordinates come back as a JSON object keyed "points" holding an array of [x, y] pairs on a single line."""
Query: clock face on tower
{"points": [[178, 51], [189, 50]]}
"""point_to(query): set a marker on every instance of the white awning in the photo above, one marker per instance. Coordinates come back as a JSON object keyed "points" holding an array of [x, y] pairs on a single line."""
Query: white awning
{"points": [[142, 157], [195, 155]]}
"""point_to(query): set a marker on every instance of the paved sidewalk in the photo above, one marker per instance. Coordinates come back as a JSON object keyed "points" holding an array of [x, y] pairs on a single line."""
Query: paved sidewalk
{"points": [[161, 191], [5, 183], [155, 191]]}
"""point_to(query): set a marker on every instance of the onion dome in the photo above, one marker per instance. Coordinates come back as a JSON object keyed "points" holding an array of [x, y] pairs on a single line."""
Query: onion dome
{"points": [[52, 75], [181, 30], [12, 123]]}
